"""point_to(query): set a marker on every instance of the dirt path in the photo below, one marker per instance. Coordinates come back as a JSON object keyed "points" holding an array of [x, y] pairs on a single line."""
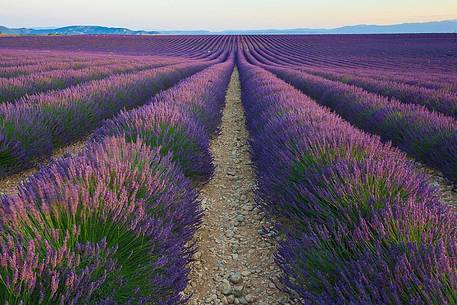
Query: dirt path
{"points": [[234, 263]]}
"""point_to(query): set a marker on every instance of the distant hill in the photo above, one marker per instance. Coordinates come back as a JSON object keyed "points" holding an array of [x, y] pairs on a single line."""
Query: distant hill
{"points": [[75, 30], [446, 26]]}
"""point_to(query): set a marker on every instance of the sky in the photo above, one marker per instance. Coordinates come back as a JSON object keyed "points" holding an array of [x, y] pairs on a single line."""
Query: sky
{"points": [[221, 14]]}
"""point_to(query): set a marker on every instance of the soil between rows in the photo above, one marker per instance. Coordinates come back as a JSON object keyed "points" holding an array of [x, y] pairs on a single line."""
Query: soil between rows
{"points": [[234, 263]]}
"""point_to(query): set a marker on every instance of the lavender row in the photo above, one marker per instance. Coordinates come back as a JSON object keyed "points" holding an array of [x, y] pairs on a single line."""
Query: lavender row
{"points": [[358, 223], [179, 120], [438, 96], [437, 81], [33, 127], [435, 100], [422, 53], [17, 57], [432, 53], [16, 71], [14, 88], [280, 55], [112, 225], [32, 62], [428, 136], [196, 46]]}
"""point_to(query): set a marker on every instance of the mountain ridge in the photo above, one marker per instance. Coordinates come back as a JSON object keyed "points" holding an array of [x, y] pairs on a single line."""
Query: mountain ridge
{"points": [[445, 26], [75, 30]]}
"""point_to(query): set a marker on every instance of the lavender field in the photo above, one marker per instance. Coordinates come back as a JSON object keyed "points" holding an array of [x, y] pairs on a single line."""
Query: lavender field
{"points": [[225, 169]]}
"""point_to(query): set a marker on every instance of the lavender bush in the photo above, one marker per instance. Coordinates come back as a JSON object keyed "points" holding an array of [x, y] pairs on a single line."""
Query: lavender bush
{"points": [[123, 201]]}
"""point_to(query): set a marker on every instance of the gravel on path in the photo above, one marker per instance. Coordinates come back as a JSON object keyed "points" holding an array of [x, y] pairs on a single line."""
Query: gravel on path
{"points": [[234, 263]]}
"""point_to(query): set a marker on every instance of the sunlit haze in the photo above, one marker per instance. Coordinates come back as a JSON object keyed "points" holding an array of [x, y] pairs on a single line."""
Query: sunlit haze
{"points": [[221, 14]]}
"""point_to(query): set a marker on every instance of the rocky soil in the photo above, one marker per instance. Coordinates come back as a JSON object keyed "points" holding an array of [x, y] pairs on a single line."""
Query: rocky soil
{"points": [[234, 263]]}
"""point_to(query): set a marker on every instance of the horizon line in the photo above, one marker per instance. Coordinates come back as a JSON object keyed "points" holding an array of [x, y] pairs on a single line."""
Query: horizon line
{"points": [[230, 29]]}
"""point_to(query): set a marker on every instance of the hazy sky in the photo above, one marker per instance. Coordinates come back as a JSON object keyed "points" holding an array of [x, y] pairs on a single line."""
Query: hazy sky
{"points": [[221, 14]]}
